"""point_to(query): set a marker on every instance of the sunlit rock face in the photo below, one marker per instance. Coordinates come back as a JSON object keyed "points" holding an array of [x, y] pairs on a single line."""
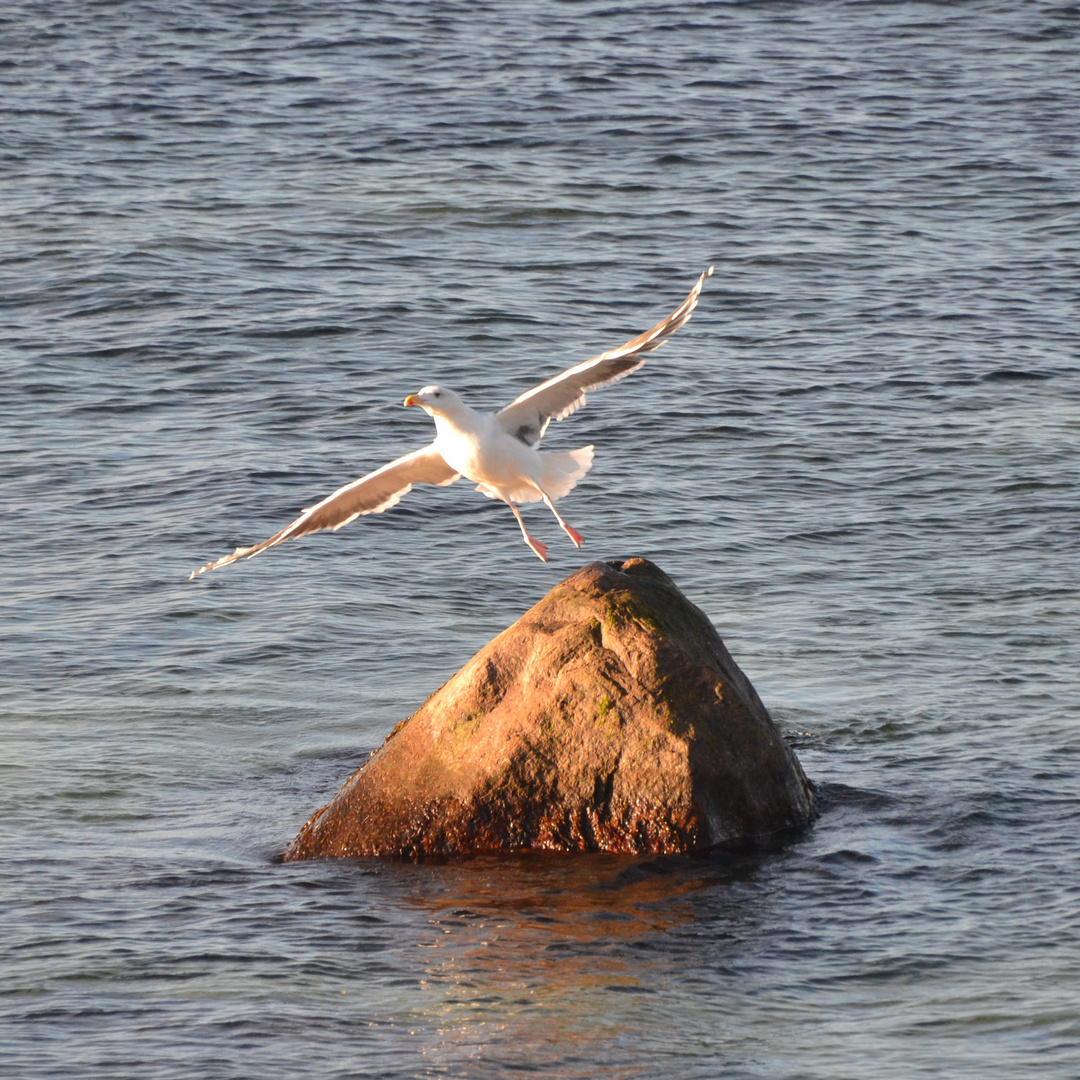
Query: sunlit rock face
{"points": [[609, 717]]}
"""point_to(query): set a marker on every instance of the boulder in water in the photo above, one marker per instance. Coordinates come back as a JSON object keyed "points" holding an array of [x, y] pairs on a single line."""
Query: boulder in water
{"points": [[609, 717]]}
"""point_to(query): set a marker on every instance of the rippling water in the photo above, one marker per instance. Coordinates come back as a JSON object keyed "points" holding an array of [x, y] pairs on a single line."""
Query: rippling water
{"points": [[236, 234]]}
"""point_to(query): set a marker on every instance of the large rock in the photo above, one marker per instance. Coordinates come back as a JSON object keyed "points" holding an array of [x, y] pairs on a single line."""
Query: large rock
{"points": [[610, 717]]}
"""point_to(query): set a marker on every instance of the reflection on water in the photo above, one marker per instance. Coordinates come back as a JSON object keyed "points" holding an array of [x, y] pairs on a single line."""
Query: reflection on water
{"points": [[541, 949]]}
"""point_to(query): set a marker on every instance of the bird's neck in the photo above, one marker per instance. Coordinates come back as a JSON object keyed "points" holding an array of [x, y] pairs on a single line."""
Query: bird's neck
{"points": [[463, 421]]}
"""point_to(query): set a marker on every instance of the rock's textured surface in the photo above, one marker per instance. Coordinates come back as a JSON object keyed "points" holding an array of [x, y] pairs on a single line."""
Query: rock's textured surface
{"points": [[609, 717]]}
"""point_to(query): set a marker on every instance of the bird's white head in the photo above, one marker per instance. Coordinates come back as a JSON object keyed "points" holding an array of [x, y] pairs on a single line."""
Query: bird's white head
{"points": [[435, 401]]}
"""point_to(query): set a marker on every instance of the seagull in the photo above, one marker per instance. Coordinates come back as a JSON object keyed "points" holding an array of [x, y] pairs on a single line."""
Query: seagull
{"points": [[496, 451]]}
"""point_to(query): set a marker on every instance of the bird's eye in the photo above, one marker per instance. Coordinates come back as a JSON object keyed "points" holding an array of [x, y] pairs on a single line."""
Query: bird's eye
{"points": [[438, 393]]}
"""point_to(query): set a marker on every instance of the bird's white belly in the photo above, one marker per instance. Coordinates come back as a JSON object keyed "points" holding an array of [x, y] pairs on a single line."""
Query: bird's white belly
{"points": [[490, 457]]}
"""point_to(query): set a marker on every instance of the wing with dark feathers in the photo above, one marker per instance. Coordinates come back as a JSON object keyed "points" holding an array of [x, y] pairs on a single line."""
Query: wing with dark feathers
{"points": [[527, 417], [371, 494]]}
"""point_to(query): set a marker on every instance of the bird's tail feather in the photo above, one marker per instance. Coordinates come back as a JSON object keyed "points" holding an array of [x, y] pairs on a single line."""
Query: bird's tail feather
{"points": [[562, 471]]}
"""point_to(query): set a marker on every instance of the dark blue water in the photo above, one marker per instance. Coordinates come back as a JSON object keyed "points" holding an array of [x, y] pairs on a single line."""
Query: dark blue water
{"points": [[233, 236]]}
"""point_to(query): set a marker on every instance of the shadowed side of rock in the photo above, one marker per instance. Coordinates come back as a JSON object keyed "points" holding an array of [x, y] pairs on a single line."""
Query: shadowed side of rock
{"points": [[609, 717]]}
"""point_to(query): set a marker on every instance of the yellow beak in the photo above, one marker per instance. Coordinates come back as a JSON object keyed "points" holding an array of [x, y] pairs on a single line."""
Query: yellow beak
{"points": [[412, 399]]}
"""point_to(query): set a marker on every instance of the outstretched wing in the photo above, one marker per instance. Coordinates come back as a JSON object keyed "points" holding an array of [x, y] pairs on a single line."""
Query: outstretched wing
{"points": [[371, 494], [527, 417]]}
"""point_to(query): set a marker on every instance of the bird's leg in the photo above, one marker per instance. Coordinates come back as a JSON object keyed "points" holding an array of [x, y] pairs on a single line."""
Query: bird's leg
{"points": [[568, 529], [540, 549]]}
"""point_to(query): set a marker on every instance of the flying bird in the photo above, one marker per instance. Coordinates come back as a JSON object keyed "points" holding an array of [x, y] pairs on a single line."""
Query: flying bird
{"points": [[497, 451]]}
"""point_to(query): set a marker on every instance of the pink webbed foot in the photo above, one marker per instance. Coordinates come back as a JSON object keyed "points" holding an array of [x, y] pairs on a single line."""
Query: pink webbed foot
{"points": [[538, 547], [574, 535]]}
